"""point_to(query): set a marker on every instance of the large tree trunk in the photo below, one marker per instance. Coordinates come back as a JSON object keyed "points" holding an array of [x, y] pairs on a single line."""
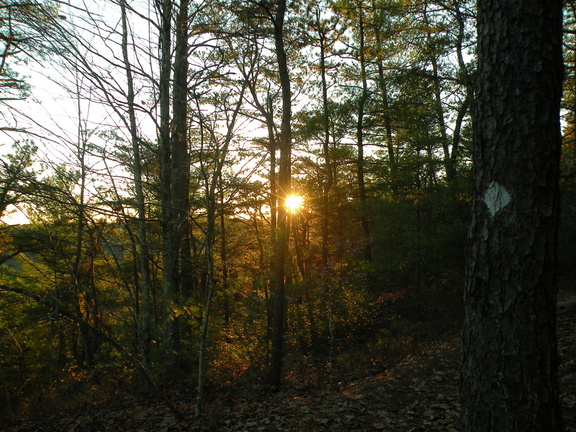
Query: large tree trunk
{"points": [[174, 170], [509, 365]]}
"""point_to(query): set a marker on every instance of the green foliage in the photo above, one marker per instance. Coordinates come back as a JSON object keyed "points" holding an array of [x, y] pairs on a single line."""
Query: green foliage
{"points": [[25, 30]]}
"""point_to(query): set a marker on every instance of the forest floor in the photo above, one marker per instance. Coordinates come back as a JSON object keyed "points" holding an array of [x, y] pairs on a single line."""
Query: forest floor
{"points": [[417, 393]]}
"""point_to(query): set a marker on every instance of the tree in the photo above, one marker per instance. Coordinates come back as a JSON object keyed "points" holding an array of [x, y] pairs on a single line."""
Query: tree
{"points": [[24, 32], [212, 164], [175, 165], [169, 223], [435, 46], [273, 15], [15, 175], [363, 98], [144, 324], [356, 11], [284, 189], [324, 40], [509, 366], [28, 32]]}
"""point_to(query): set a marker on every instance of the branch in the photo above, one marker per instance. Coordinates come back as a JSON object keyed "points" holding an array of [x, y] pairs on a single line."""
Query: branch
{"points": [[7, 257]]}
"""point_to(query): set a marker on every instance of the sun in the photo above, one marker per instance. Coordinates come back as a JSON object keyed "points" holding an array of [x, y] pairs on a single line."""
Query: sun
{"points": [[294, 203]]}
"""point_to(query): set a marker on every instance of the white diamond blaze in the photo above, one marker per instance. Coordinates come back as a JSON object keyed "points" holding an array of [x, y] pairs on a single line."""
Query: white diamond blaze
{"points": [[496, 198]]}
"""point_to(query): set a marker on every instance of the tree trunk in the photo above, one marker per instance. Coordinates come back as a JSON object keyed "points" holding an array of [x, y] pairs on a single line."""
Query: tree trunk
{"points": [[144, 323], [387, 123], [180, 160], [509, 365], [284, 184], [438, 104], [169, 248], [213, 187], [367, 246], [465, 105], [210, 235], [328, 168], [81, 268]]}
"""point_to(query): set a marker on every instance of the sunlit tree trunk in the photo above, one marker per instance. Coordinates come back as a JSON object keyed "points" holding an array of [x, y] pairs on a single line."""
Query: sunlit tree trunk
{"points": [[266, 109], [509, 367]]}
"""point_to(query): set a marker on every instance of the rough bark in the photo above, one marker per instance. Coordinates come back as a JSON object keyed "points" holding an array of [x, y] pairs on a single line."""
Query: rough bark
{"points": [[509, 365]]}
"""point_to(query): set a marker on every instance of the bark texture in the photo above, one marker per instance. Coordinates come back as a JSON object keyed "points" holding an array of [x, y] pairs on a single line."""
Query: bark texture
{"points": [[509, 365]]}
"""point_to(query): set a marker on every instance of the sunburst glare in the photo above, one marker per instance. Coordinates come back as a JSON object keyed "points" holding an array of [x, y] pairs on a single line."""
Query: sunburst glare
{"points": [[294, 203]]}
